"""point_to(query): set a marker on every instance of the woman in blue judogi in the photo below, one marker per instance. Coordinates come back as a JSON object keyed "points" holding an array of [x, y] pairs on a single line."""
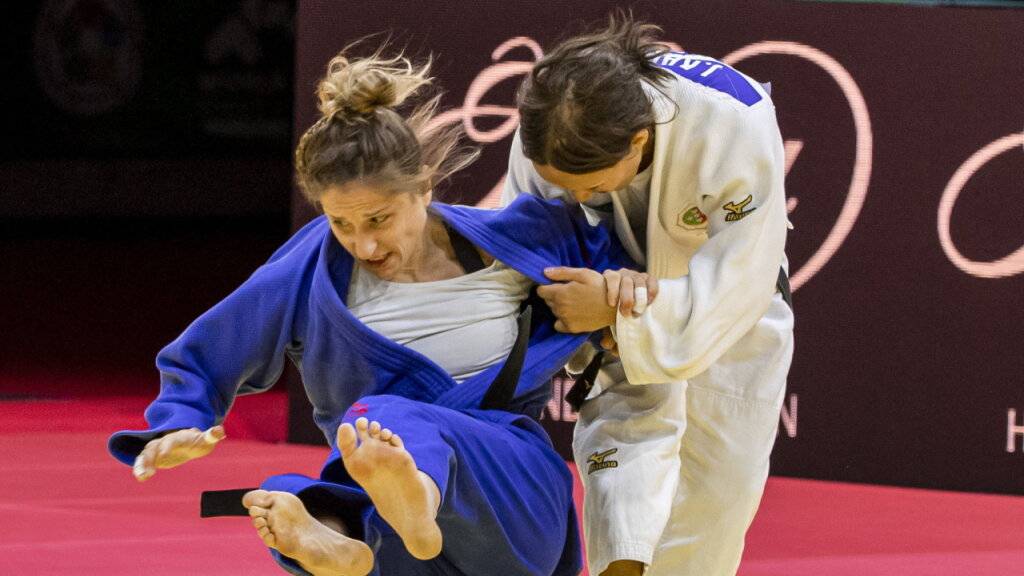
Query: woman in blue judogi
{"points": [[399, 313]]}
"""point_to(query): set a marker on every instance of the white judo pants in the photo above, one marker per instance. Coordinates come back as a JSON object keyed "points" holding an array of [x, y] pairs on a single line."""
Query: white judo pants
{"points": [[673, 473]]}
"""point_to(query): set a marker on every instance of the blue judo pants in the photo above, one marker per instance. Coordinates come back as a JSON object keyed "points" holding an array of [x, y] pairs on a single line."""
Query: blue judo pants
{"points": [[506, 509]]}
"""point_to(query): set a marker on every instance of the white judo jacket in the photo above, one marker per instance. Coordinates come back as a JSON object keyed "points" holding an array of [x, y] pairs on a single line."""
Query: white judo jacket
{"points": [[716, 219]]}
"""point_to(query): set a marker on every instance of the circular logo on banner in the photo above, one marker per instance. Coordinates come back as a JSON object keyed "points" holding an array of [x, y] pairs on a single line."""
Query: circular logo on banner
{"points": [[1009, 265], [87, 55], [858, 188]]}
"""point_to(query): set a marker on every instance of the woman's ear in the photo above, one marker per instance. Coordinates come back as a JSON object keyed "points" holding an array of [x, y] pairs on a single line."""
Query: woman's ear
{"points": [[640, 139], [428, 181]]}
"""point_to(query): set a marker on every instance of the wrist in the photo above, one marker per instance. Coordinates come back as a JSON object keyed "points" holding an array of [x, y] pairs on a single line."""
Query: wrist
{"points": [[611, 315]]}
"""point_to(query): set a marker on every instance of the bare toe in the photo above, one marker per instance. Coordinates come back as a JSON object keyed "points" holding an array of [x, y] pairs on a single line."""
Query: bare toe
{"points": [[258, 512], [260, 498], [374, 429], [361, 428], [346, 439]]}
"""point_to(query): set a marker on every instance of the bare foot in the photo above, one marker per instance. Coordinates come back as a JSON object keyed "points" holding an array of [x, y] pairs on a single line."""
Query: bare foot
{"points": [[405, 497], [284, 525]]}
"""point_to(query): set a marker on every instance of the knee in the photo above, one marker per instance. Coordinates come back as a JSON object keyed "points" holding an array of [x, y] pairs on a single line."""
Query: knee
{"points": [[380, 400], [735, 487], [398, 413], [371, 407]]}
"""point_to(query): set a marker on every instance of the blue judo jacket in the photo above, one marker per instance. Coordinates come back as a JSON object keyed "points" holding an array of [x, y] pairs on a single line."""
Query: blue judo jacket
{"points": [[294, 306]]}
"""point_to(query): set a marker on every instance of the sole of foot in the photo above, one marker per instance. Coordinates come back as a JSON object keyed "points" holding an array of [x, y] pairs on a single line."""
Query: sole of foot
{"points": [[284, 524], [405, 497]]}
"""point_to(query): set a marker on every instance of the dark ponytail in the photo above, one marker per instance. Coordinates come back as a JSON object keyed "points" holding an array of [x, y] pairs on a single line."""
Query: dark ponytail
{"points": [[583, 102]]}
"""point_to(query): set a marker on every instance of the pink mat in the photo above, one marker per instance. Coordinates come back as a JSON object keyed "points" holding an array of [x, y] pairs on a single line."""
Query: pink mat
{"points": [[70, 509]]}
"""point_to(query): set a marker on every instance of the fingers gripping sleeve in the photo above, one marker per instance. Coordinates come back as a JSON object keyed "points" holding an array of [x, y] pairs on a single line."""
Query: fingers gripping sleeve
{"points": [[732, 276]]}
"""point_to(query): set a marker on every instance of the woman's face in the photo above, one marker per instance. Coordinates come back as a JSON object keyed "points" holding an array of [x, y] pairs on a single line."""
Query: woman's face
{"points": [[610, 179], [385, 231]]}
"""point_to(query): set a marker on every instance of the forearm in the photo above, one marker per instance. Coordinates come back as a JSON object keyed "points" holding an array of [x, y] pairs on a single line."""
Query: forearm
{"points": [[697, 317]]}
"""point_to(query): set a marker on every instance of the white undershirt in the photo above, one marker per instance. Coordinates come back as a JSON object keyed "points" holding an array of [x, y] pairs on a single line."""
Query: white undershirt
{"points": [[464, 324]]}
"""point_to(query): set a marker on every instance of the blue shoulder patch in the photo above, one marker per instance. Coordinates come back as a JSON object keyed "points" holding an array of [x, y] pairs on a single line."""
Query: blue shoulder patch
{"points": [[711, 73]]}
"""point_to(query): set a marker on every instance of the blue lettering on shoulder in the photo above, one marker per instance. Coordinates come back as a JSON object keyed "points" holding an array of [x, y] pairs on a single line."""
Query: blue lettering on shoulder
{"points": [[711, 73]]}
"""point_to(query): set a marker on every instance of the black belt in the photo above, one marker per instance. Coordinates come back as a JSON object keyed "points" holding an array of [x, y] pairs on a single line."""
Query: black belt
{"points": [[223, 503], [577, 395], [502, 390]]}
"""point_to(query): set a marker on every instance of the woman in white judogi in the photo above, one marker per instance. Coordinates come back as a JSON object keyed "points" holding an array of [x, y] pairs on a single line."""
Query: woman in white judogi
{"points": [[684, 155]]}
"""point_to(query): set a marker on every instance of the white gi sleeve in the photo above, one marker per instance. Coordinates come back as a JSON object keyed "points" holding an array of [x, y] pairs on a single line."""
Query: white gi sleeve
{"points": [[732, 276]]}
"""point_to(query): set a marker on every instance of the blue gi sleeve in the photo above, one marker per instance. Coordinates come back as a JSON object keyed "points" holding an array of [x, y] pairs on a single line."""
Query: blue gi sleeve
{"points": [[236, 347]]}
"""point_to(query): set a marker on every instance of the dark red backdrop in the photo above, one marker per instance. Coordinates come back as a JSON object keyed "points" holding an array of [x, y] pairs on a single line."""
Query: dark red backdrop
{"points": [[904, 130]]}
